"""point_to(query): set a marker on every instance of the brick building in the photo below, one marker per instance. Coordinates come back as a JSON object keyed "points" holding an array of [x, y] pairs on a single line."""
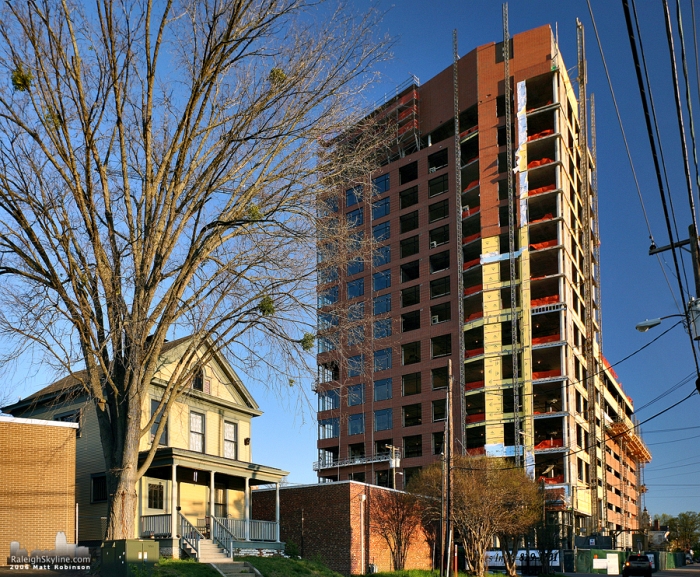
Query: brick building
{"points": [[37, 483], [334, 521], [488, 259]]}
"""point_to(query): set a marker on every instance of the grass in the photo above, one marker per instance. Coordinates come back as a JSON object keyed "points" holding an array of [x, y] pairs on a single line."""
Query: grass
{"points": [[281, 567], [183, 568]]}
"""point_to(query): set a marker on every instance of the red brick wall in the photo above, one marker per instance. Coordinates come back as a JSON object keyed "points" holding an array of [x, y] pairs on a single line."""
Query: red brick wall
{"points": [[335, 515]]}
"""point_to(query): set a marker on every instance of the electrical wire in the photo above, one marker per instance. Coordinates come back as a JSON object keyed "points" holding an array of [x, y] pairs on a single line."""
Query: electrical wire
{"points": [[640, 82], [652, 106], [619, 121], [688, 98]]}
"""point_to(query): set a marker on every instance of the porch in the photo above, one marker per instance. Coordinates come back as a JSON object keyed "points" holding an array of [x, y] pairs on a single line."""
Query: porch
{"points": [[189, 500]]}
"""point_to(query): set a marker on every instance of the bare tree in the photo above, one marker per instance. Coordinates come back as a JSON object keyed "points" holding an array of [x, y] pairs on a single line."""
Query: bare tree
{"points": [[523, 505], [489, 499], [163, 164], [395, 516]]}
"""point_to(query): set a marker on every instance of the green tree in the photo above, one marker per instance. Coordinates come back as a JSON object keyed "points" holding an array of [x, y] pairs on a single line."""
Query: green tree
{"points": [[165, 163], [684, 530]]}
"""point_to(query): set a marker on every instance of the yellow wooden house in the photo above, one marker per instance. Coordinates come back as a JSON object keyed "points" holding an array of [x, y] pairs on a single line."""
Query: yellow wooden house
{"points": [[201, 478]]}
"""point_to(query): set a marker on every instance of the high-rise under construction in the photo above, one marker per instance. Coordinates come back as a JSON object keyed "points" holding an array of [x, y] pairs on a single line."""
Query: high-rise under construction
{"points": [[485, 269]]}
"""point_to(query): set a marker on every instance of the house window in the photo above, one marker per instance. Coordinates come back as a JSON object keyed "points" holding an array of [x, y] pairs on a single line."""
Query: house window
{"points": [[356, 365], [382, 420], [356, 424], [440, 313], [327, 321], [408, 197], [380, 184], [356, 335], [327, 344], [381, 478], [328, 372], [438, 442], [164, 437], [196, 432], [382, 389], [198, 381], [230, 440], [98, 493], [155, 496], [71, 417], [356, 395], [382, 360], [328, 274]]}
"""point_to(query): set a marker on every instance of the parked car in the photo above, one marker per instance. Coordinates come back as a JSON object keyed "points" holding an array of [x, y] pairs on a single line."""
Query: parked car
{"points": [[637, 565]]}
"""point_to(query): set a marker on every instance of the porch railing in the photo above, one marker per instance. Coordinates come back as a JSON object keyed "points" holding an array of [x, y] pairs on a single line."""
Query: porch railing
{"points": [[189, 535], [257, 530], [222, 536], [156, 525], [263, 531]]}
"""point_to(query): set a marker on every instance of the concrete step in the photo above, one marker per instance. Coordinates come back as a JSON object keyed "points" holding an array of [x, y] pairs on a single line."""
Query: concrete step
{"points": [[235, 568]]}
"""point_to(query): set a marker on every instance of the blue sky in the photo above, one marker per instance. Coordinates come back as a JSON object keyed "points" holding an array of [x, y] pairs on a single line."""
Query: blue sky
{"points": [[634, 286]]}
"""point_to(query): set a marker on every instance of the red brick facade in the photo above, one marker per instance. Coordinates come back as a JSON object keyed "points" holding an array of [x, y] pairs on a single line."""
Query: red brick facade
{"points": [[333, 521]]}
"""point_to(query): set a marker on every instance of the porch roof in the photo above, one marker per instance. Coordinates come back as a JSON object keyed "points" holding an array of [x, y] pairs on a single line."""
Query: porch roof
{"points": [[258, 474]]}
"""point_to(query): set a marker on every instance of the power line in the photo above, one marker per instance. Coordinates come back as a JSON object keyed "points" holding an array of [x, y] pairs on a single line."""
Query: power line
{"points": [[647, 118]]}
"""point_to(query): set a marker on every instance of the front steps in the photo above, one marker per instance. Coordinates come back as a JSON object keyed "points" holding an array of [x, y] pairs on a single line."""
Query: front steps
{"points": [[235, 568]]}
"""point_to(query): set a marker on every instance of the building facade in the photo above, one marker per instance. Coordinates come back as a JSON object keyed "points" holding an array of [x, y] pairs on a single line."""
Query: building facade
{"points": [[37, 497], [334, 521], [484, 268], [203, 468]]}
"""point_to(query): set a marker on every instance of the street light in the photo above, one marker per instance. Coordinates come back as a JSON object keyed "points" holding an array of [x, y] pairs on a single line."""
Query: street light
{"points": [[647, 324]]}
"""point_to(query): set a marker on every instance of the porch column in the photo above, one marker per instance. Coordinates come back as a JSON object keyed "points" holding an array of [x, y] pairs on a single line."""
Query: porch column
{"points": [[277, 512], [246, 513], [173, 504], [211, 495]]}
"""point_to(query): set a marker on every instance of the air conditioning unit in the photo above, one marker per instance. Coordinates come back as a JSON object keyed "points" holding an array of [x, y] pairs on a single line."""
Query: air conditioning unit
{"points": [[435, 319], [433, 243]]}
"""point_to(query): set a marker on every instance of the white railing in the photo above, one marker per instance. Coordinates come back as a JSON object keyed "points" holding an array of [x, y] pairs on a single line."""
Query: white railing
{"points": [[156, 525], [222, 536], [189, 535], [263, 530], [234, 526], [257, 530]]}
